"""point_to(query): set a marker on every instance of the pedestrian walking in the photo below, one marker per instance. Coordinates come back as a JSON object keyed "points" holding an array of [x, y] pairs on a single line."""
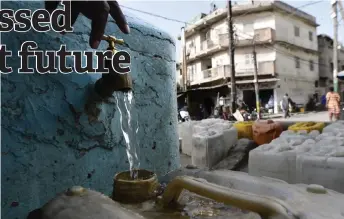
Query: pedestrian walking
{"points": [[333, 104], [285, 106]]}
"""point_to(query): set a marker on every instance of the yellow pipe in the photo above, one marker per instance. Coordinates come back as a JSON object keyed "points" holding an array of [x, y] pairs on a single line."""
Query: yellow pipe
{"points": [[263, 205]]}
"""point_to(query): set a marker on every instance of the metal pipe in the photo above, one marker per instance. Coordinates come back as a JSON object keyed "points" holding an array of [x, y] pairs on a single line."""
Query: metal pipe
{"points": [[335, 44], [231, 51], [263, 205], [256, 85]]}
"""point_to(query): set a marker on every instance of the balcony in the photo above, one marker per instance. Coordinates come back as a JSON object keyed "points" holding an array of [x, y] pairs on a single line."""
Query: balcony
{"points": [[191, 53], [241, 70], [213, 44], [221, 42], [264, 68], [264, 35], [217, 72]]}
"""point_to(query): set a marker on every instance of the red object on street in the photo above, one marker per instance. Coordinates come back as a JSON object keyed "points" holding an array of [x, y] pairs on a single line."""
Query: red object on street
{"points": [[266, 131]]}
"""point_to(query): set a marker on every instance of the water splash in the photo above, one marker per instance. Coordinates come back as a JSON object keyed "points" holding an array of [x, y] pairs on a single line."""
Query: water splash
{"points": [[129, 125]]}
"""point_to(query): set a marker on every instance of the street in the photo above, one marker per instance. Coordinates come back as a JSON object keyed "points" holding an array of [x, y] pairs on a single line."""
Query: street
{"points": [[311, 116]]}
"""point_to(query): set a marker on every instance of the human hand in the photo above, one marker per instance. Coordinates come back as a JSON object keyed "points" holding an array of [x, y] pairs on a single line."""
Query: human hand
{"points": [[97, 12]]}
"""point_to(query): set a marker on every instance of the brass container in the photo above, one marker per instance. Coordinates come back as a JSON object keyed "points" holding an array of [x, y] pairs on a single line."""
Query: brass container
{"points": [[131, 191]]}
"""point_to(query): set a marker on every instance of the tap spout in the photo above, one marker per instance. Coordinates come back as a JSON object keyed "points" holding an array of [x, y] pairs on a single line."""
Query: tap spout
{"points": [[113, 81]]}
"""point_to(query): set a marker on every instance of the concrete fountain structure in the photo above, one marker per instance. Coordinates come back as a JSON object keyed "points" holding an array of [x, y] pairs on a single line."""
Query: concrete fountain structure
{"points": [[50, 141]]}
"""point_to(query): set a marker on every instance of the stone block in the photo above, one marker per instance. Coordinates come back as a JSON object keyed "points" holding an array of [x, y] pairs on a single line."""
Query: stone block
{"points": [[211, 146], [186, 129], [302, 158], [236, 155], [325, 171], [276, 165], [207, 148]]}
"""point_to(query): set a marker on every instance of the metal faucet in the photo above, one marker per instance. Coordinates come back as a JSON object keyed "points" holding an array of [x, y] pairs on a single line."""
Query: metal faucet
{"points": [[113, 81]]}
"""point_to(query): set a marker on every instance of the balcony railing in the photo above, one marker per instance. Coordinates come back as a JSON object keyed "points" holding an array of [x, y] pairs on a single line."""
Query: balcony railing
{"points": [[222, 41], [264, 68], [191, 52], [223, 71], [218, 72]]}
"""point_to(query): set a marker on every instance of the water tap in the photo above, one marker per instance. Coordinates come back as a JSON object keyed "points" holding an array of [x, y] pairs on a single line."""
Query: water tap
{"points": [[113, 81]]}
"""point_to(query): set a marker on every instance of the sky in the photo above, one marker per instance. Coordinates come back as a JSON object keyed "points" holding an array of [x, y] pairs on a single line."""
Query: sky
{"points": [[186, 10]]}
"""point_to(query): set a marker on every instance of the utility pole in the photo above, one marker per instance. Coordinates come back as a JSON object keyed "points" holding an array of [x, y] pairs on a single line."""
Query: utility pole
{"points": [[256, 87], [184, 68], [341, 8], [231, 54], [335, 44]]}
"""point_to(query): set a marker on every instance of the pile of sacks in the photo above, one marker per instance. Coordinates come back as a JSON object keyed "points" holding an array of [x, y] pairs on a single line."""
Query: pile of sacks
{"points": [[207, 141], [310, 158]]}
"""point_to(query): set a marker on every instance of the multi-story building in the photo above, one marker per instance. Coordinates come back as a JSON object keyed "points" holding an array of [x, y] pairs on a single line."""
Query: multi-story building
{"points": [[286, 47], [325, 45]]}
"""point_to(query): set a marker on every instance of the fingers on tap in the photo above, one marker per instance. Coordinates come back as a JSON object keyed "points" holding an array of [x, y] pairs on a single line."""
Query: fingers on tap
{"points": [[99, 21], [118, 16], [51, 5]]}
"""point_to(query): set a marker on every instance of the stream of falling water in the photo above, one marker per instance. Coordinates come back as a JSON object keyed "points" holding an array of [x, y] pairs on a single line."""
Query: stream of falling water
{"points": [[129, 125]]}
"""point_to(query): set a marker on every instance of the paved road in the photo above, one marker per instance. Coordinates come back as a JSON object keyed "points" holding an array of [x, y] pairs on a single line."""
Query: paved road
{"points": [[312, 117]]}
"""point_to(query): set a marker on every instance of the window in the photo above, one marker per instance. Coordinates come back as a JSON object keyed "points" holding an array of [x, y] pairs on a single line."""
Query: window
{"points": [[310, 35], [248, 59], [219, 62], [311, 65], [192, 44], [248, 27], [296, 31], [331, 66], [191, 72], [297, 62], [208, 35], [316, 83]]}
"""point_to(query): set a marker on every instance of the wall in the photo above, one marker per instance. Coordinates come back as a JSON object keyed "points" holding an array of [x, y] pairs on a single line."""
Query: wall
{"points": [[285, 63], [326, 58], [285, 31], [245, 25], [299, 83], [258, 21], [49, 141], [222, 58]]}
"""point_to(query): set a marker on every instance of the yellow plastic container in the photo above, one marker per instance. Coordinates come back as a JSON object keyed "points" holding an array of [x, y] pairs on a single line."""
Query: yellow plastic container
{"points": [[307, 126], [302, 110], [244, 129], [128, 190]]}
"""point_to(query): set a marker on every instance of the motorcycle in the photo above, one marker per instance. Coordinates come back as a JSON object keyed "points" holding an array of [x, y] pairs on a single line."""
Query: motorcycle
{"points": [[183, 116]]}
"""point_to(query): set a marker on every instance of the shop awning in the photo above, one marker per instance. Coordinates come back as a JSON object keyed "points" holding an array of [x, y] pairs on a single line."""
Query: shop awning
{"points": [[179, 95], [340, 75]]}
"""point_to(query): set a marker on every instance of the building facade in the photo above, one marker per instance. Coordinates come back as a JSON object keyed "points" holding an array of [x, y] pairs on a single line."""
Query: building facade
{"points": [[325, 45], [286, 46]]}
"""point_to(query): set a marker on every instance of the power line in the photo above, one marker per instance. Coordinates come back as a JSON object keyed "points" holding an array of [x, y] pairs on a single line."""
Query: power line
{"points": [[155, 15], [284, 53], [269, 47], [292, 14]]}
